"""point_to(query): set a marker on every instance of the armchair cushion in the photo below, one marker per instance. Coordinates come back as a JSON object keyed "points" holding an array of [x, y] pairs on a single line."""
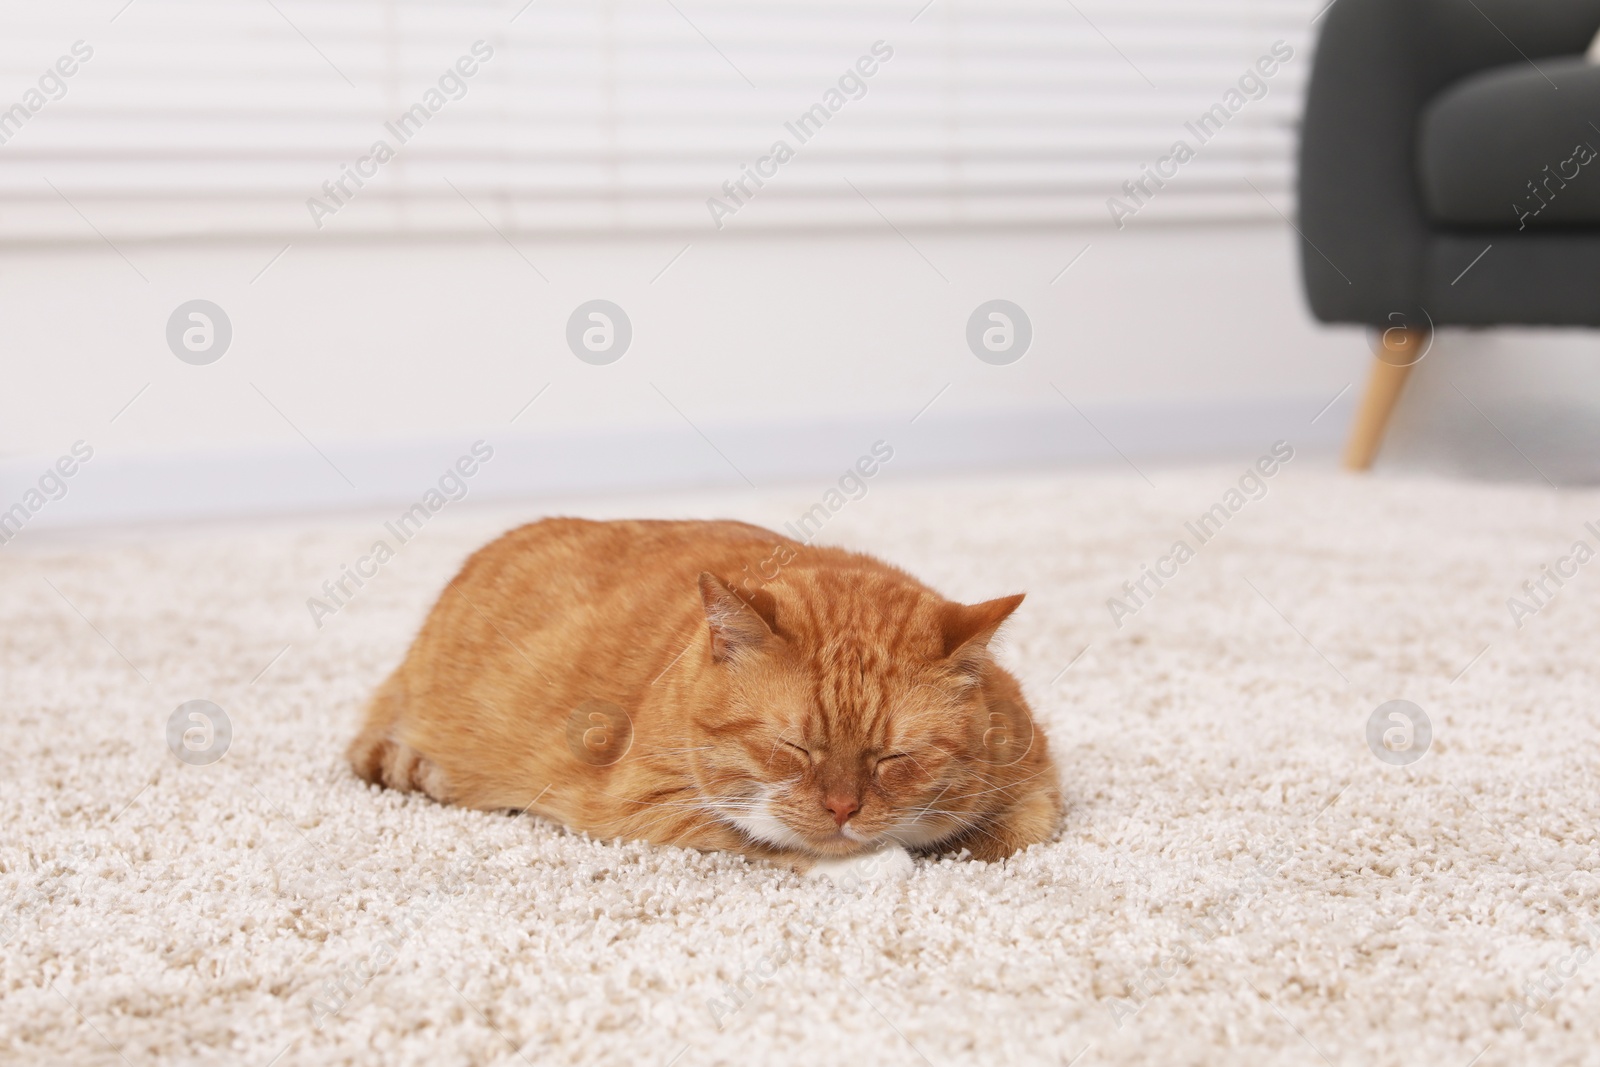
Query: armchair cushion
{"points": [[1514, 147]]}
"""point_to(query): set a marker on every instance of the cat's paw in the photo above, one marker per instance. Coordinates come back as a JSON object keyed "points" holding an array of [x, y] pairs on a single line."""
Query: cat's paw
{"points": [[891, 864]]}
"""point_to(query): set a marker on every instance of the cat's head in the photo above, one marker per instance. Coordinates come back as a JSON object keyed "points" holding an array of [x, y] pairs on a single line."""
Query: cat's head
{"points": [[848, 711]]}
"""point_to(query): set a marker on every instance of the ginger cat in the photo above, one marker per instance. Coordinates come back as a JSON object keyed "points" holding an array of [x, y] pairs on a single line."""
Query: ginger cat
{"points": [[607, 675]]}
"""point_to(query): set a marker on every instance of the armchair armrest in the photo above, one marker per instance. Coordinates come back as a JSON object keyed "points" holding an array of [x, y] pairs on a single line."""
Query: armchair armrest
{"points": [[1378, 63]]}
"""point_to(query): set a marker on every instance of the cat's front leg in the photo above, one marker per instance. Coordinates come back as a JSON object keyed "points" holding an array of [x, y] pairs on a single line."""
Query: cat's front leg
{"points": [[1034, 818], [892, 864]]}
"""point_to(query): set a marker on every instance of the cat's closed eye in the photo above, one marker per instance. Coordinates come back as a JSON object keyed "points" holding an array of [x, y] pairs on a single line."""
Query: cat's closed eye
{"points": [[799, 750]]}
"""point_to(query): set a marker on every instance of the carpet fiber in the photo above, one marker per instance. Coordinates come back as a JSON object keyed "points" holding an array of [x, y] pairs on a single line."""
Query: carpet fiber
{"points": [[1239, 878]]}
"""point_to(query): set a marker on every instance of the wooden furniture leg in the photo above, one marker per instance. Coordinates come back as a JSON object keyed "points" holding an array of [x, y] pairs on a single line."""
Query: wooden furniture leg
{"points": [[1398, 349]]}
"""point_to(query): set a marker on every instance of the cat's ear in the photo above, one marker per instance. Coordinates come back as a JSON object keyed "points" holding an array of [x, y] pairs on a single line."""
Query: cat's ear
{"points": [[735, 625], [967, 628]]}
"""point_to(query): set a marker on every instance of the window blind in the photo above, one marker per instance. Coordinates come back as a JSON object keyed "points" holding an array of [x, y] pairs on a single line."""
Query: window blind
{"points": [[204, 119]]}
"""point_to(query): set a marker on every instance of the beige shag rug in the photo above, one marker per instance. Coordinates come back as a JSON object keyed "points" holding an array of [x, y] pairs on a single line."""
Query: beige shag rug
{"points": [[1240, 878]]}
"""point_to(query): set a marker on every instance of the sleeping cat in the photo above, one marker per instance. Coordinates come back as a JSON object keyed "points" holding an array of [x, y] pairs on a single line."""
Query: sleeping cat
{"points": [[717, 686]]}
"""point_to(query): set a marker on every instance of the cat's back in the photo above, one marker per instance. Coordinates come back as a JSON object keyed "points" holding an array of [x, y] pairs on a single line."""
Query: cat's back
{"points": [[596, 598], [590, 552]]}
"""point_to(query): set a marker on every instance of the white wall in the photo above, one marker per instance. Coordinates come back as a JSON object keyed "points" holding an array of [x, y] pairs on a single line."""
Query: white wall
{"points": [[791, 354], [371, 341], [1516, 405]]}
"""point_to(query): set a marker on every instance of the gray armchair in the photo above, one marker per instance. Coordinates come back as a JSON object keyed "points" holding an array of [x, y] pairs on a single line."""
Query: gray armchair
{"points": [[1449, 176]]}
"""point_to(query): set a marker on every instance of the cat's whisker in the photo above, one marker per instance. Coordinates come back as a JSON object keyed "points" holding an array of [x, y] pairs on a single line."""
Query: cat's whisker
{"points": [[735, 809], [996, 838], [964, 824], [1000, 788], [670, 802], [936, 797], [717, 807], [925, 823], [698, 808]]}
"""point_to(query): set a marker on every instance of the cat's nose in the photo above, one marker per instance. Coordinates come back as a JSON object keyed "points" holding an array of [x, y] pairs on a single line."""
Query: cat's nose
{"points": [[841, 807]]}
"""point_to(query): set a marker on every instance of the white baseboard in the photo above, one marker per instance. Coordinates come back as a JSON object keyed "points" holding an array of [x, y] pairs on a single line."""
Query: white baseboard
{"points": [[290, 479]]}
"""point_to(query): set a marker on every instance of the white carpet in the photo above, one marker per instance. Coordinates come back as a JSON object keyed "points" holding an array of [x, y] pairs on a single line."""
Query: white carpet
{"points": [[1237, 867]]}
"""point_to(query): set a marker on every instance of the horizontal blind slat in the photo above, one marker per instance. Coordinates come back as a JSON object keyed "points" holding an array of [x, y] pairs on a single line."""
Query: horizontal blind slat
{"points": [[199, 119]]}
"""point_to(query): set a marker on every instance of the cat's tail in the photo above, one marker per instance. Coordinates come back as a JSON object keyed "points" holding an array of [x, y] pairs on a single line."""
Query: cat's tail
{"points": [[378, 756]]}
